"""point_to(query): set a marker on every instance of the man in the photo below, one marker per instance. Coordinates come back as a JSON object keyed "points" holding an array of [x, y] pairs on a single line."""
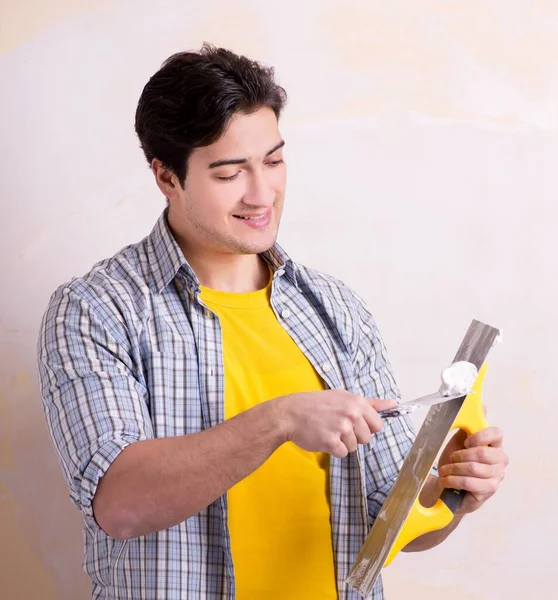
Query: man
{"points": [[213, 403]]}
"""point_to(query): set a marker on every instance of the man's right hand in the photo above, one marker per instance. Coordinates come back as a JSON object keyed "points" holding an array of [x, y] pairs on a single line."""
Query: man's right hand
{"points": [[157, 483], [332, 421]]}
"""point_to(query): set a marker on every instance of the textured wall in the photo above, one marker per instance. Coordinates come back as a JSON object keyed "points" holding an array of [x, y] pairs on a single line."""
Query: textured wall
{"points": [[422, 143]]}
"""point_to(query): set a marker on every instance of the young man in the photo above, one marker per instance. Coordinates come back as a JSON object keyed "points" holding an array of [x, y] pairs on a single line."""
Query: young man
{"points": [[213, 403]]}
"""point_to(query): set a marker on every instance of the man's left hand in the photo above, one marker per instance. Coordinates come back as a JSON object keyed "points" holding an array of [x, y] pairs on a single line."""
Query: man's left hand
{"points": [[476, 464]]}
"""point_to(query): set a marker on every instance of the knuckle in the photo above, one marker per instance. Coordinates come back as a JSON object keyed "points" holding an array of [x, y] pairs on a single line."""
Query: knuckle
{"points": [[472, 469], [346, 428], [354, 413], [331, 442], [484, 453]]}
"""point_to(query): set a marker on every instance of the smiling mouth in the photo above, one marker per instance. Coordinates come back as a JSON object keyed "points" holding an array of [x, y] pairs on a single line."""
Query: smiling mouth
{"points": [[252, 218]]}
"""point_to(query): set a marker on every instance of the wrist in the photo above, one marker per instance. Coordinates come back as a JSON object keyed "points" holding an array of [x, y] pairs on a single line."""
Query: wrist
{"points": [[281, 417]]}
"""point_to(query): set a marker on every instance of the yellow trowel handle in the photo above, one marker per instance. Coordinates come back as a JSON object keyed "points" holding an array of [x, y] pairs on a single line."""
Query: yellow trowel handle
{"points": [[423, 520], [471, 417]]}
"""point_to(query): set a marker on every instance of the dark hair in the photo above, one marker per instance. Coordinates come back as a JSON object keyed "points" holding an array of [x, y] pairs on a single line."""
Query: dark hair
{"points": [[189, 102]]}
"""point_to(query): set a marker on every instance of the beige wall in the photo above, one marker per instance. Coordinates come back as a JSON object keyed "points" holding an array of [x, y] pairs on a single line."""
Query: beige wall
{"points": [[404, 116]]}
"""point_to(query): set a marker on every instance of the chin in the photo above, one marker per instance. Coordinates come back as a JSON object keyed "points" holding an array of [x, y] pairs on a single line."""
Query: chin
{"points": [[256, 247]]}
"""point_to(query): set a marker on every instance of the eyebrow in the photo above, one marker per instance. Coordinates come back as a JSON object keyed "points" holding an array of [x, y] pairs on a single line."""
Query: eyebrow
{"points": [[241, 161]]}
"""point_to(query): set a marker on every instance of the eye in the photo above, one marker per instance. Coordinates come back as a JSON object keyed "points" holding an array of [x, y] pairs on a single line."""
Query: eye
{"points": [[230, 178], [274, 163]]}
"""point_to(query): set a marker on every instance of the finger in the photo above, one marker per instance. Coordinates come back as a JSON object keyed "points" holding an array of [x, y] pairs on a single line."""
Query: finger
{"points": [[372, 418], [469, 469], [481, 454], [362, 431], [491, 436], [479, 487], [337, 448], [379, 404], [457, 441], [348, 438]]}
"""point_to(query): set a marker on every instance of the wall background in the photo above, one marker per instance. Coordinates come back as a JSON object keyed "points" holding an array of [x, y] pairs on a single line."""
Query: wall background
{"points": [[422, 148]]}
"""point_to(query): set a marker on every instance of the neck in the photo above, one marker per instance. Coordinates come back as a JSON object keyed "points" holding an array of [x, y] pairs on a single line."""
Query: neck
{"points": [[236, 273]]}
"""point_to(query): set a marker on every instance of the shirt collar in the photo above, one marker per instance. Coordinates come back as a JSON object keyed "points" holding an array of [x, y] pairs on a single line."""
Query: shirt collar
{"points": [[281, 264], [166, 260]]}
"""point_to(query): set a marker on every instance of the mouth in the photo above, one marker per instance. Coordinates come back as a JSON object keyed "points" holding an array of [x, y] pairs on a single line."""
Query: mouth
{"points": [[257, 221], [252, 217]]}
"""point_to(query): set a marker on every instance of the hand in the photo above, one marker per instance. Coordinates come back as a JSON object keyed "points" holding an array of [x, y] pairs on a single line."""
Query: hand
{"points": [[476, 464], [332, 421]]}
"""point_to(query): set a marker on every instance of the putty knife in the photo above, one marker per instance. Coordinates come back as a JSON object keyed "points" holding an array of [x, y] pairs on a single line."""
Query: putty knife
{"points": [[423, 402]]}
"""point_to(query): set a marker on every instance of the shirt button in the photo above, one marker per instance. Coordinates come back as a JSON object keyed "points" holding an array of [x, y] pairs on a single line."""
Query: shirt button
{"points": [[286, 313], [280, 272], [326, 367]]}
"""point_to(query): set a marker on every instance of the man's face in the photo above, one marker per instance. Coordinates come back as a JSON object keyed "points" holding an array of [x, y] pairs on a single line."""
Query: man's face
{"points": [[234, 190]]}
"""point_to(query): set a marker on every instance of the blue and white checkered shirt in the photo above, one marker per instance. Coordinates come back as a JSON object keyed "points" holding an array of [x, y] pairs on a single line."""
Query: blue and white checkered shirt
{"points": [[128, 352]]}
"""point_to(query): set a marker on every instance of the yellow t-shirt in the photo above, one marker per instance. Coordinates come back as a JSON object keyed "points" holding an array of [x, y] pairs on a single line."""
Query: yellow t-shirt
{"points": [[279, 516]]}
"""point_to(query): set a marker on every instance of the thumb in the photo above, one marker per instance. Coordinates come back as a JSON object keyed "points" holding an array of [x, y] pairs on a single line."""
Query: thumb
{"points": [[455, 443]]}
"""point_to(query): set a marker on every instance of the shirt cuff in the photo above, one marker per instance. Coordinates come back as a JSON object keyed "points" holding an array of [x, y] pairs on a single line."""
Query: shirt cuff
{"points": [[97, 467]]}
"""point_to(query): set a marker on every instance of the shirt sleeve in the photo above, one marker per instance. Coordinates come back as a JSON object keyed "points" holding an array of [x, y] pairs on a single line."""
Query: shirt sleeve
{"points": [[389, 447], [93, 404]]}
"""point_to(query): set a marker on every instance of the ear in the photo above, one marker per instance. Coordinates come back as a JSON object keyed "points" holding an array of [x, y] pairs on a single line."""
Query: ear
{"points": [[166, 180]]}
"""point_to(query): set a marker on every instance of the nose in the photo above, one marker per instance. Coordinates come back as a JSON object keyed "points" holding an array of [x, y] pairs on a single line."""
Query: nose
{"points": [[259, 191]]}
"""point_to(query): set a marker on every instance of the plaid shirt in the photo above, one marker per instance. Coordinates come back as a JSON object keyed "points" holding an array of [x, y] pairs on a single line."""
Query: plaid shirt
{"points": [[129, 352]]}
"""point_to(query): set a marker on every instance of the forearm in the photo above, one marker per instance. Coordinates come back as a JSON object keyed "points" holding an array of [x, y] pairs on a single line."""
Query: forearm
{"points": [[156, 484], [428, 497]]}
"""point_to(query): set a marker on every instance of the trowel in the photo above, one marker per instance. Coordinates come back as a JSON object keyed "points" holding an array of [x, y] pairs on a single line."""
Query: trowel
{"points": [[402, 517], [423, 402]]}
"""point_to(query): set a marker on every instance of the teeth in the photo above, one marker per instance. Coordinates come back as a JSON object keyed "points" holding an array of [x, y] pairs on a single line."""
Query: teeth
{"points": [[253, 218]]}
